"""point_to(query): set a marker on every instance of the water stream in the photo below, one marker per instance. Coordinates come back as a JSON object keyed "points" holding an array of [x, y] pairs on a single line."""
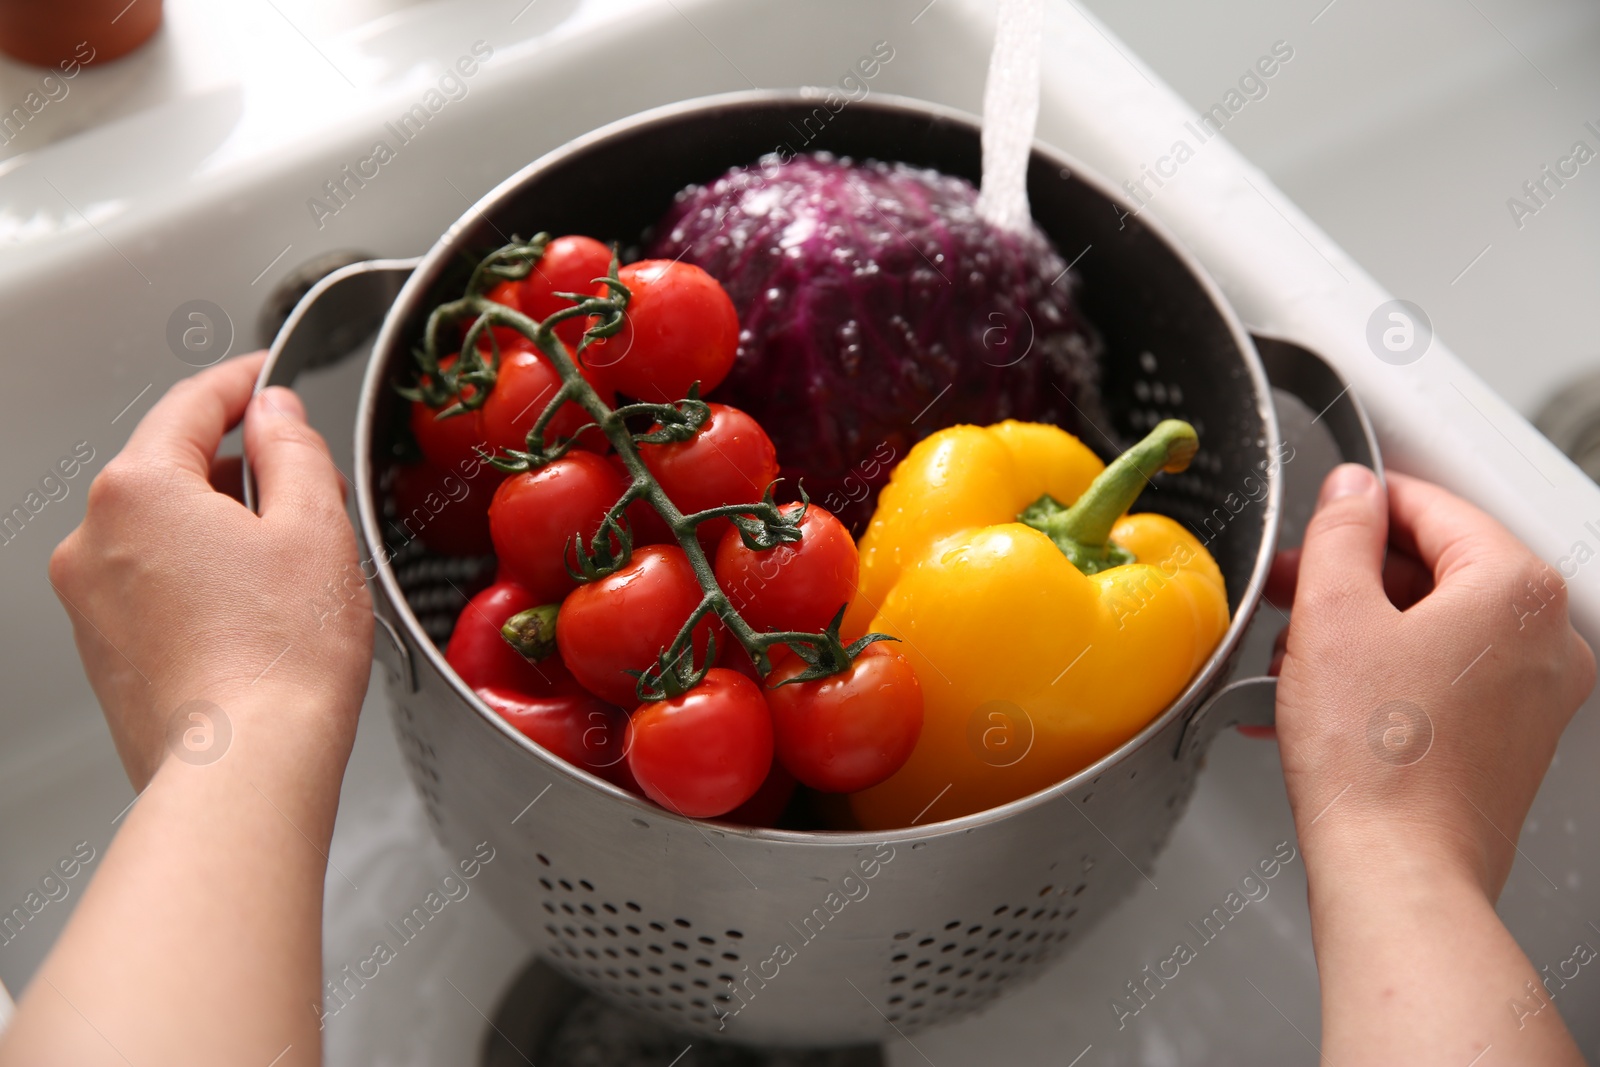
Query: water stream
{"points": [[1010, 113]]}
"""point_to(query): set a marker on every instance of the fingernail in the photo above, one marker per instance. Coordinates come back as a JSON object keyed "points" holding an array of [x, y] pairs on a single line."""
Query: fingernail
{"points": [[1349, 479], [283, 403]]}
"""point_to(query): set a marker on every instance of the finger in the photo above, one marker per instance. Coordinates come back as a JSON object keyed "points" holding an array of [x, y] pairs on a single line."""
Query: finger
{"points": [[1263, 733], [1341, 558], [1280, 649], [1405, 580], [227, 476], [1583, 677], [1445, 533], [1282, 577], [186, 425], [293, 468]]}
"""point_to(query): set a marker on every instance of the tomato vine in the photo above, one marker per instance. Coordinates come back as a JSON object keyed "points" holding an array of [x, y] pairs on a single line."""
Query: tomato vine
{"points": [[464, 385]]}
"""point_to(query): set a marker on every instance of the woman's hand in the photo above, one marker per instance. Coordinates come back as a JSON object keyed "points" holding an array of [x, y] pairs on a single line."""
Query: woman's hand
{"points": [[179, 593], [240, 645], [1420, 700], [1427, 728]]}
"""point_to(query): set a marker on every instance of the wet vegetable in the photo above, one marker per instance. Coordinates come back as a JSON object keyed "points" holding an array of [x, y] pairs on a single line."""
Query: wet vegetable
{"points": [[1043, 635], [876, 306]]}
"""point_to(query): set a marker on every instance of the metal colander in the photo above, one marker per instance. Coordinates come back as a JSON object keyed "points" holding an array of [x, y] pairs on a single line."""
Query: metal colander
{"points": [[779, 937]]}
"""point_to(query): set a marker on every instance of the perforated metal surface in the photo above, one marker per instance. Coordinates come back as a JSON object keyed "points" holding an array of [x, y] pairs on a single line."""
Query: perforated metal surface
{"points": [[964, 966], [662, 965], [680, 922], [782, 938]]}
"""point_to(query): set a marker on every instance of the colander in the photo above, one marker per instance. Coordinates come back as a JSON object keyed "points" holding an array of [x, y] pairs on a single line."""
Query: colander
{"points": [[812, 939]]}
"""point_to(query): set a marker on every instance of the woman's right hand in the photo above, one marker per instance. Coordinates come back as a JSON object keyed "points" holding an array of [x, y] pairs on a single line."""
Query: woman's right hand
{"points": [[1427, 728], [1419, 702]]}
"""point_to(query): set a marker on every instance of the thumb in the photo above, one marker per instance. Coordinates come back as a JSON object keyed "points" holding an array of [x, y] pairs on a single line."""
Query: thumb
{"points": [[1341, 559]]}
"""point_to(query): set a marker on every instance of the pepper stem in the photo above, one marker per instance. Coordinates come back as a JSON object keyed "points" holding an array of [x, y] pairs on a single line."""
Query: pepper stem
{"points": [[1083, 531], [533, 632]]}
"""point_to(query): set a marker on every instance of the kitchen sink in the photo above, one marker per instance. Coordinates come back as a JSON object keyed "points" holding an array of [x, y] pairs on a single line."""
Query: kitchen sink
{"points": [[1371, 168]]}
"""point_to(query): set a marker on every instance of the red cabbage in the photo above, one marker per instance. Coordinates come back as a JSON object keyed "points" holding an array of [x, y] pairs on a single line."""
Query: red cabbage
{"points": [[876, 307]]}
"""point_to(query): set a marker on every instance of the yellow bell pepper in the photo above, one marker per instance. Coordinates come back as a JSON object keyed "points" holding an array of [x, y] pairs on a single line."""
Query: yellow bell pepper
{"points": [[1044, 636]]}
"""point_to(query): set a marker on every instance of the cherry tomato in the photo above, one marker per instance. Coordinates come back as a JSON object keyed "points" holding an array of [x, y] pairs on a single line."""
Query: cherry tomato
{"points": [[446, 443], [525, 384], [569, 265], [623, 621], [482, 657], [505, 293], [577, 726], [796, 586], [446, 509], [534, 514], [770, 801], [509, 294], [620, 774], [850, 730], [731, 460], [680, 328], [706, 752]]}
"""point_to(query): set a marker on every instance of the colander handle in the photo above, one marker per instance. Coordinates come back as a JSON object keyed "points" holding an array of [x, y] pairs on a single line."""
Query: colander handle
{"points": [[333, 309], [1308, 377], [1313, 381], [349, 302]]}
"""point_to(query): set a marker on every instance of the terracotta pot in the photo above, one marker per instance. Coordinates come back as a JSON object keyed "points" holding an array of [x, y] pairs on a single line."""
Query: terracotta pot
{"points": [[60, 33]]}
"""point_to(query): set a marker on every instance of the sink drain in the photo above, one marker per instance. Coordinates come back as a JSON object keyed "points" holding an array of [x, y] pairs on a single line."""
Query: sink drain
{"points": [[546, 1020], [295, 285], [1572, 422]]}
